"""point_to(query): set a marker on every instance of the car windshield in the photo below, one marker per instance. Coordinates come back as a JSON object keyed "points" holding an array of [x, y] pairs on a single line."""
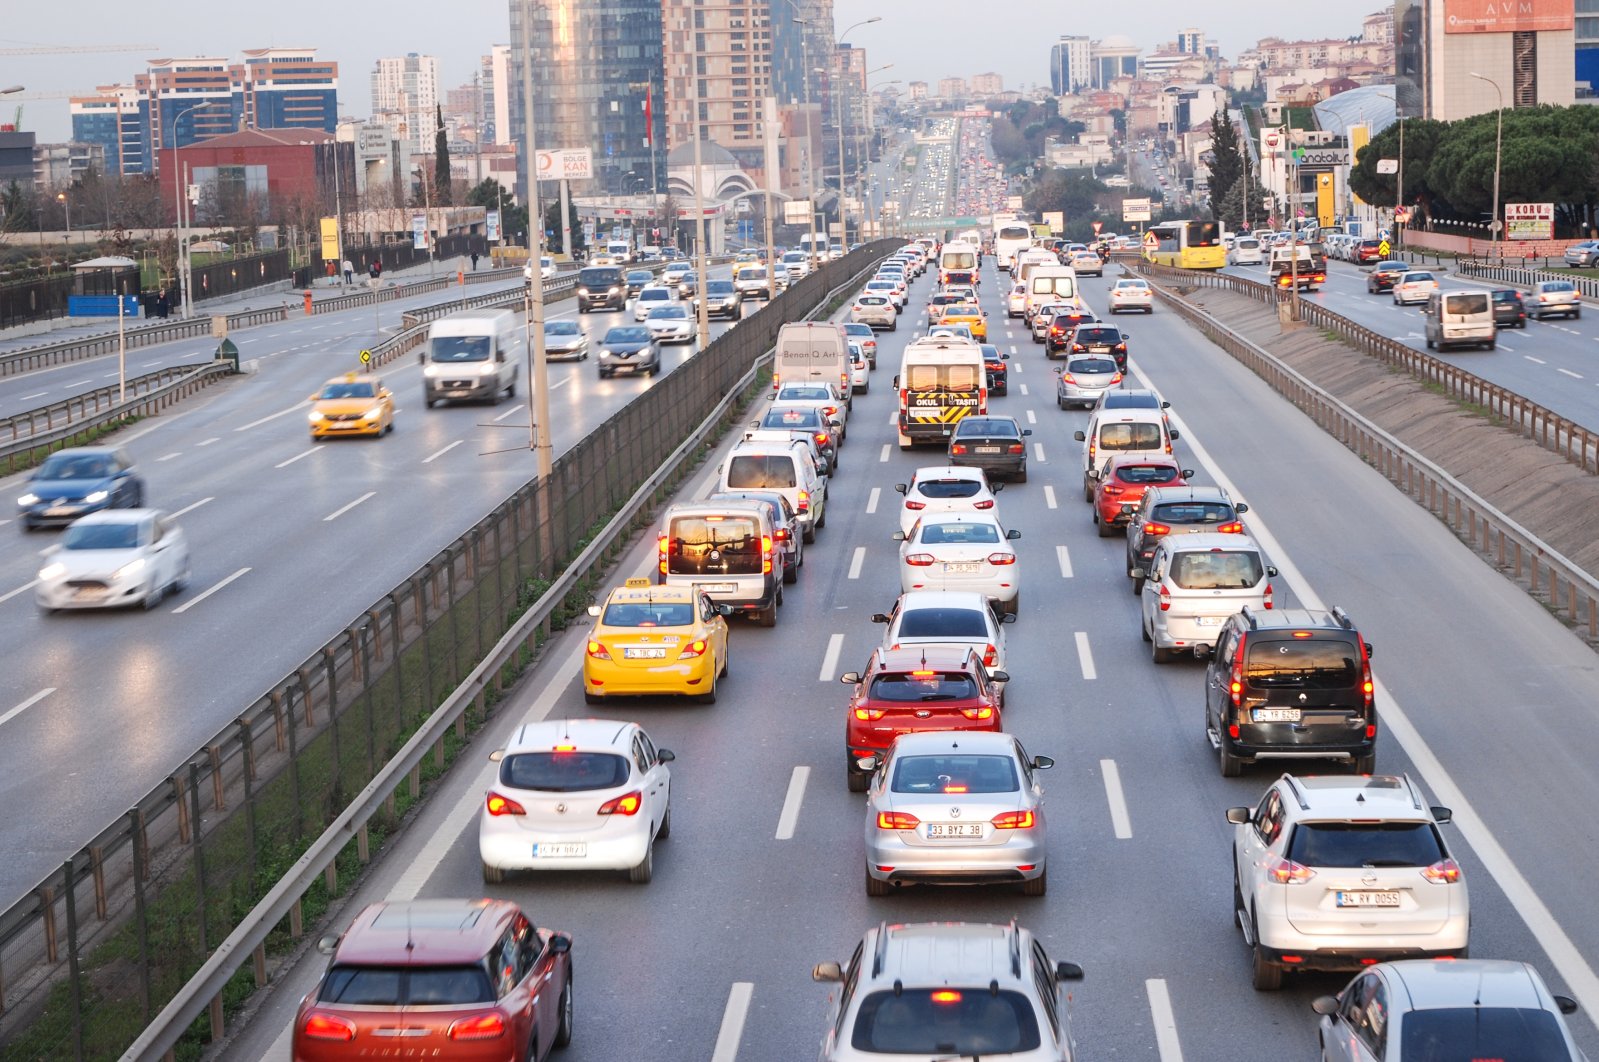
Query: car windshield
{"points": [[562, 771], [1091, 365], [1216, 569], [668, 313], [640, 276], [562, 328], [760, 470], [954, 534], [353, 389], [954, 774], [943, 623], [1136, 436], [1146, 474], [401, 986], [75, 466], [1504, 1034], [945, 1023], [988, 427], [649, 613], [101, 536], [1192, 512], [949, 488], [713, 545], [1365, 844], [628, 335], [909, 687], [460, 348], [719, 287], [793, 417], [1309, 663], [803, 393]]}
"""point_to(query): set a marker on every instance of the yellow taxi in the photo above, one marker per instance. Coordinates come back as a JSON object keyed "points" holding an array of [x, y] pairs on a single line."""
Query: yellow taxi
{"points": [[748, 254], [602, 259], [968, 314], [352, 404], [650, 639]]}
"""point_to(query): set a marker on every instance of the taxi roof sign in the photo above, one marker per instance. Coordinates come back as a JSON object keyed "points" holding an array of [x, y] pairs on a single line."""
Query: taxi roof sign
{"points": [[637, 581]]}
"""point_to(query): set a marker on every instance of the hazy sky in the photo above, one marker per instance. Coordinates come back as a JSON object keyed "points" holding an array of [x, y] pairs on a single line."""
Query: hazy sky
{"points": [[924, 39]]}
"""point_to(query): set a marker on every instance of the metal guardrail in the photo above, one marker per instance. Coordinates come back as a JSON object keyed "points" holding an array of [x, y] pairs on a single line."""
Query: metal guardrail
{"points": [[70, 350], [1523, 276], [1568, 587], [335, 303], [1548, 429], [94, 951], [70, 411]]}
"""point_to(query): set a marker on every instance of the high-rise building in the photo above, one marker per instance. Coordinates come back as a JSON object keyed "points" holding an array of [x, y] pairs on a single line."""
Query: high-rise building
{"points": [[918, 90], [952, 88], [118, 119], [290, 88], [405, 93], [987, 84], [1191, 41], [495, 81], [1112, 58], [718, 60], [1070, 65], [1526, 53]]}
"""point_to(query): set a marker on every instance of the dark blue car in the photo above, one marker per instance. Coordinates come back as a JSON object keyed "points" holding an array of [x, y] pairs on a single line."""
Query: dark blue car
{"points": [[73, 482]]}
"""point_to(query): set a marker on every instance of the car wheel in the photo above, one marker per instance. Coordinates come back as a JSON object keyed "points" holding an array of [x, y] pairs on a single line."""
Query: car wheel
{"points": [[181, 582], [1576, 315], [858, 781], [1021, 476], [592, 698], [1013, 606], [153, 596], [563, 1031], [493, 875], [1037, 886], [875, 887], [808, 535], [1267, 976], [780, 595], [821, 519], [766, 617], [1143, 628], [665, 830], [1088, 491], [1430, 344], [709, 696], [791, 573], [641, 874], [1231, 766], [1159, 654], [1366, 763]]}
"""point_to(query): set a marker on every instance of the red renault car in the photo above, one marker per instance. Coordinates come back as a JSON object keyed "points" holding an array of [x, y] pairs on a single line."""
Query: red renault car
{"points": [[461, 980], [903, 691], [1120, 486]]}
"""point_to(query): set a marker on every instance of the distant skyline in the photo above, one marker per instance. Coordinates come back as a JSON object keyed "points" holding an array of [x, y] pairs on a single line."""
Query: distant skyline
{"points": [[925, 39]]}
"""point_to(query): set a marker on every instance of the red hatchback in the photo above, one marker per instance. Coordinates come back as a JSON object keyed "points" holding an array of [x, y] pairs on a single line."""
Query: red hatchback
{"points": [[1120, 486], [905, 691], [472, 980]]}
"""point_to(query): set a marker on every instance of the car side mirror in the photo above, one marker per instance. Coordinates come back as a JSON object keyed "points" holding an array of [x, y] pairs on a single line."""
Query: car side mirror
{"points": [[1238, 816], [1068, 971], [1027, 431], [879, 617], [1013, 534], [999, 676], [1326, 1006], [1369, 651], [1004, 357], [726, 611], [1188, 473], [1079, 436], [560, 943], [869, 762], [1566, 1004], [1043, 763], [902, 488], [1092, 473], [329, 944], [665, 755], [1174, 435], [827, 971], [312, 398], [896, 382], [594, 610], [1007, 617], [1127, 508], [497, 755], [1240, 508], [898, 536], [996, 488], [771, 396], [850, 678], [1140, 573], [1165, 405], [1271, 571], [1442, 814]]}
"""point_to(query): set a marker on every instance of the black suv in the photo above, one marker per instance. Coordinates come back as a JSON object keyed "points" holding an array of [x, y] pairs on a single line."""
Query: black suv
{"points": [[601, 286], [1290, 682], [1100, 339], [1509, 309], [1177, 510]]}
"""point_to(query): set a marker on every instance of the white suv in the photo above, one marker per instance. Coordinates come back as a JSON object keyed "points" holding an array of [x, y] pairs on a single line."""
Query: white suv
{"points": [[948, 990], [1335, 872]]}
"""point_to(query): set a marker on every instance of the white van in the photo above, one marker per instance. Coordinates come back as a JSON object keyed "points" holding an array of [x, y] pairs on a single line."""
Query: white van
{"points": [[1193, 584], [469, 357], [620, 251], [785, 468], [1459, 319], [1246, 251], [812, 352], [1031, 259], [1119, 432], [728, 549], [1047, 284]]}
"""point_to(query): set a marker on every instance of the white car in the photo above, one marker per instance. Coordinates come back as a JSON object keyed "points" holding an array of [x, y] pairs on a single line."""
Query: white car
{"points": [[672, 275], [1246, 251], [875, 310], [650, 297], [576, 794], [671, 324], [1132, 293], [948, 617], [114, 558], [1414, 286], [822, 396], [945, 489], [1016, 301], [893, 289], [1087, 264], [961, 551], [860, 370], [546, 269]]}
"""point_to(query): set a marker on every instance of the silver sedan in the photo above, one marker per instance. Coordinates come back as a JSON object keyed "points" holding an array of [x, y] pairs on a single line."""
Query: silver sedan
{"points": [[956, 809], [670, 324], [564, 339]]}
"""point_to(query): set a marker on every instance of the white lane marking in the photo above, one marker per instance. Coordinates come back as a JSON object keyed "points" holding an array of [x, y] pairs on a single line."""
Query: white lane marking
{"points": [[893, 418], [1085, 656], [1166, 1042], [1119, 820], [77, 383], [191, 507], [1568, 372], [208, 442], [435, 455], [1038, 451], [1064, 556], [1009, 335], [1513, 349], [1574, 970], [41, 394], [1049, 496], [871, 500], [271, 416], [1537, 361], [513, 411], [1032, 418], [1019, 368], [732, 1031], [791, 803], [835, 646], [335, 514], [168, 457], [1023, 387], [8, 595], [187, 605], [25, 705], [164, 421], [883, 457], [856, 562], [296, 457]]}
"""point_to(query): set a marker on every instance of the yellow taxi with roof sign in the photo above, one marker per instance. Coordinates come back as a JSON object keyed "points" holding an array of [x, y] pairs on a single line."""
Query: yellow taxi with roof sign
{"points": [[650, 639], [352, 404], [968, 314]]}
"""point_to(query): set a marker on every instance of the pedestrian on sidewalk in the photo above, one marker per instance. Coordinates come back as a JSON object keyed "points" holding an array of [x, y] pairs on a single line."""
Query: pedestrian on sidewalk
{"points": [[162, 305], [474, 261], [349, 273]]}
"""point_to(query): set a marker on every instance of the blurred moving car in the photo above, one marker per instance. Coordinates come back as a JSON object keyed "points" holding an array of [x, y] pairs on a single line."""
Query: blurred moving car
{"points": [[76, 481], [114, 558], [352, 404]]}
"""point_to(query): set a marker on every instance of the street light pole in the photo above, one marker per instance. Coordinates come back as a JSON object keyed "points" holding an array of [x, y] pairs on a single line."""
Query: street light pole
{"points": [[841, 117], [427, 228], [702, 304], [66, 202], [538, 392], [1495, 226]]}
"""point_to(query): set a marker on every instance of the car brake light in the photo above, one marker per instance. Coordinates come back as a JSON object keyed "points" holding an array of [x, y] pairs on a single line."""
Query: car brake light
{"points": [[1165, 599], [990, 655], [1287, 872], [1366, 685], [1002, 558], [626, 804], [958, 448], [829, 410], [695, 648], [1443, 872], [919, 560], [1116, 379], [1121, 347], [1067, 377], [869, 714], [1266, 598], [915, 504], [598, 651], [978, 713], [1156, 530], [781, 534], [498, 805], [1235, 683], [481, 1027], [1234, 528], [1112, 489], [804, 501], [320, 1026], [945, 997], [1017, 448], [1079, 347], [1013, 820], [821, 438], [989, 504], [897, 820], [766, 554]]}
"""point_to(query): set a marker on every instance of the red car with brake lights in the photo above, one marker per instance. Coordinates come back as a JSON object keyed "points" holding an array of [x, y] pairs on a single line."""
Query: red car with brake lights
{"points": [[467, 980], [1120, 486], [904, 691]]}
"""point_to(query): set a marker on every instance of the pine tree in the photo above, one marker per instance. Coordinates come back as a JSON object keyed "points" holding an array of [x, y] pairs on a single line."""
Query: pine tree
{"points": [[1227, 163], [441, 161]]}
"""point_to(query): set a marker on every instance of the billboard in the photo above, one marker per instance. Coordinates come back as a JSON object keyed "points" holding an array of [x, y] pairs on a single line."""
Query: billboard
{"points": [[564, 164], [1508, 16], [1529, 221], [797, 212], [419, 231], [330, 239], [491, 226], [1056, 220]]}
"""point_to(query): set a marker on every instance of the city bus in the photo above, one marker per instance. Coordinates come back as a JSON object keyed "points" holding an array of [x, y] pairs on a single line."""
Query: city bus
{"points": [[1186, 244]]}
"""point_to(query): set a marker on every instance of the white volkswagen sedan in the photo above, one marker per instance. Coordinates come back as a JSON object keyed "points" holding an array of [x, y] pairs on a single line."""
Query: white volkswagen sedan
{"points": [[945, 489], [961, 551], [115, 558]]}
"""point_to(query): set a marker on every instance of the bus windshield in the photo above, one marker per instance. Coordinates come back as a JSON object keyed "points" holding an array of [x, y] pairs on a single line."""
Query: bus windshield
{"points": [[959, 260], [1203, 234], [942, 377]]}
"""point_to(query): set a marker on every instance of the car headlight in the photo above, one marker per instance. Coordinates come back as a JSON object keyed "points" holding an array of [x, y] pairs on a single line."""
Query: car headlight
{"points": [[613, 291], [52, 571], [96, 497], [582, 291], [486, 369], [28, 499], [372, 414], [315, 417], [133, 567]]}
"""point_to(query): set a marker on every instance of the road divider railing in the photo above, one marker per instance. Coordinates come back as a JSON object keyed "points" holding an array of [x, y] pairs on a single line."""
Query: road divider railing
{"points": [[25, 426], [187, 899], [1522, 276], [69, 350], [1548, 429], [392, 291], [1568, 588]]}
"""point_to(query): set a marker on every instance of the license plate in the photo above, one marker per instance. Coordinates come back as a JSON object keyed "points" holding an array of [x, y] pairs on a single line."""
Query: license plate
{"points": [[1276, 715], [644, 654], [90, 591], [937, 830], [458, 393], [986, 449], [962, 567], [561, 850], [1099, 350], [60, 510], [717, 588], [1367, 898], [1209, 621]]}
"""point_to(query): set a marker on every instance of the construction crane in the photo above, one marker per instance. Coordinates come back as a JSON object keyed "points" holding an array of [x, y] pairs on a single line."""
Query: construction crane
{"points": [[79, 49]]}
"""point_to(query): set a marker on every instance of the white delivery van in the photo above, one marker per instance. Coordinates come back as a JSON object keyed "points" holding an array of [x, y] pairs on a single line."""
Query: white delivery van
{"points": [[470, 356], [1049, 283], [1030, 259], [620, 251], [1459, 319], [1119, 432], [812, 352], [783, 467]]}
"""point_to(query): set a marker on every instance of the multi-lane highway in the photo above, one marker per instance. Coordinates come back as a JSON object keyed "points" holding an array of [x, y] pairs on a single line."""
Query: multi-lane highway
{"points": [[289, 540], [1484, 697]]}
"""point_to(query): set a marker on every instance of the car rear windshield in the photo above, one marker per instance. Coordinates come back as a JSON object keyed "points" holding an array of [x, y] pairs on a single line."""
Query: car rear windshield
{"points": [[406, 986], [958, 534], [1504, 1034], [563, 772], [1130, 400], [793, 418], [1192, 512], [760, 470], [945, 1022], [1147, 474], [803, 393], [1091, 366], [954, 774], [648, 614], [988, 427], [1307, 664], [949, 488], [943, 623], [1129, 437], [1506, 295], [1365, 844], [1098, 335], [1216, 570], [713, 545], [1465, 304], [909, 687]]}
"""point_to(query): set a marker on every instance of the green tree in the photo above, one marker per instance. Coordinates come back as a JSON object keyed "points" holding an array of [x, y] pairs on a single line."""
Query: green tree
{"points": [[1422, 138], [494, 196], [1226, 165], [552, 227], [441, 160], [1075, 193]]}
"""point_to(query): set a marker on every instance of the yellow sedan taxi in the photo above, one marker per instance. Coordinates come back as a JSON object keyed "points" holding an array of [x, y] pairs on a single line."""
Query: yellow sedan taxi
{"points": [[966, 313], [352, 404], [650, 639]]}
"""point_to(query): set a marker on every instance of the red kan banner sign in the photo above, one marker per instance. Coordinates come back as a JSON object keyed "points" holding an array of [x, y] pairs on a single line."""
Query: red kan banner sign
{"points": [[1507, 16]]}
